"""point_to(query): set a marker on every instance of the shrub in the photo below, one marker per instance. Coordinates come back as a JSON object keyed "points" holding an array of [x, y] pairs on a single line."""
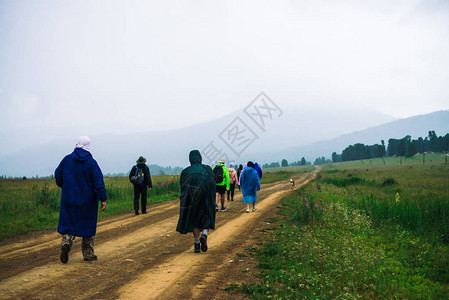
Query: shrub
{"points": [[389, 181]]}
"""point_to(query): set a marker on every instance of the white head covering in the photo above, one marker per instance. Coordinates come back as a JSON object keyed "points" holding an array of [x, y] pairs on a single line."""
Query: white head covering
{"points": [[83, 142]]}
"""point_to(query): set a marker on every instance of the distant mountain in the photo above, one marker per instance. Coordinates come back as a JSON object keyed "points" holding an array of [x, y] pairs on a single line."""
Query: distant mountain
{"points": [[417, 126], [117, 153]]}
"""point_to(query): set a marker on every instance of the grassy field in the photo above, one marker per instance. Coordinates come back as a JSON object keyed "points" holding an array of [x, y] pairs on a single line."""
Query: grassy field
{"points": [[33, 204], [271, 175], [361, 230]]}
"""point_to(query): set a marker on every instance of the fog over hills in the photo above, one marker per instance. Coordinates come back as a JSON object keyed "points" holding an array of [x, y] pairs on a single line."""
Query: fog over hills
{"points": [[417, 126], [291, 134]]}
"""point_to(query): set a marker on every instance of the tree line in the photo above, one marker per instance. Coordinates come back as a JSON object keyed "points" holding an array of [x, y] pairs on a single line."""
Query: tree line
{"points": [[285, 163], [408, 147], [396, 147]]}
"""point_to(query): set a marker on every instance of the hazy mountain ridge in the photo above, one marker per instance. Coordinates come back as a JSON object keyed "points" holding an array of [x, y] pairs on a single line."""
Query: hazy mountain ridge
{"points": [[417, 126], [287, 137]]}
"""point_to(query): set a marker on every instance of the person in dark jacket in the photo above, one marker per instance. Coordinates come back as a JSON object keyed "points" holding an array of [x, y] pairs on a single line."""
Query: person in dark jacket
{"points": [[140, 189], [259, 170], [239, 171], [81, 181], [197, 201]]}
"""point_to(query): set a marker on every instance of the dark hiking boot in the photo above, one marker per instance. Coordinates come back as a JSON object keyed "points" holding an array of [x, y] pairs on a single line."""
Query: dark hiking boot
{"points": [[90, 258], [223, 208], [144, 212], [216, 207], [203, 241], [196, 249], [65, 253], [137, 212]]}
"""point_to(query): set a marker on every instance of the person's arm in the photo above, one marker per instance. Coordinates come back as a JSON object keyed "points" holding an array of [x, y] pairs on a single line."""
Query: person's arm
{"points": [[98, 184], [58, 174], [257, 182], [150, 183], [227, 181], [131, 173]]}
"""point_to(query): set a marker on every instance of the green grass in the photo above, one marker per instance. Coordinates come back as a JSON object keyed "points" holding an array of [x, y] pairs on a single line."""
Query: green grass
{"points": [[271, 175], [343, 238], [268, 177], [292, 169], [33, 204]]}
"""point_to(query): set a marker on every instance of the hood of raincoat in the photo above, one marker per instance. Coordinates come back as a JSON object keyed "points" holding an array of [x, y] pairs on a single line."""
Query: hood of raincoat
{"points": [[195, 157], [80, 154]]}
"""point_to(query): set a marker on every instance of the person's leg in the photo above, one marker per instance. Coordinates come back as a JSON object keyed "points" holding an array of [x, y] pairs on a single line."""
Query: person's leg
{"points": [[203, 241], [222, 200], [66, 244], [143, 192], [136, 199], [196, 236], [217, 195], [196, 233], [228, 193], [67, 239], [232, 192], [87, 247]]}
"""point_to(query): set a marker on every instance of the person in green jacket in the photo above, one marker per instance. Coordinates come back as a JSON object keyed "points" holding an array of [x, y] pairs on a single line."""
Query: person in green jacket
{"points": [[221, 174]]}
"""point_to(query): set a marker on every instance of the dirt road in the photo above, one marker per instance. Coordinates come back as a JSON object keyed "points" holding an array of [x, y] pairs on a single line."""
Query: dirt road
{"points": [[143, 257]]}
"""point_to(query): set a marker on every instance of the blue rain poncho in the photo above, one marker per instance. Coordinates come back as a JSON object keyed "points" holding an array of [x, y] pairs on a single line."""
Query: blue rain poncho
{"points": [[249, 183], [82, 185]]}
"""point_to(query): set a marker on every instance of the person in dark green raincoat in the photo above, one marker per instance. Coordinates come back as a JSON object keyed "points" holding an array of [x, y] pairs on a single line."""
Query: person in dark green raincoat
{"points": [[197, 211]]}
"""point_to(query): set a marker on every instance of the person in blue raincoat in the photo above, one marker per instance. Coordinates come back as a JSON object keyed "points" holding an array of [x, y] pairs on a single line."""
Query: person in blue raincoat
{"points": [[81, 181], [250, 184]]}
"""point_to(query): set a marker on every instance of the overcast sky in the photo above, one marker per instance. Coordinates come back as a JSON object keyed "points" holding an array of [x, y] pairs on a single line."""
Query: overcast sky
{"points": [[123, 66]]}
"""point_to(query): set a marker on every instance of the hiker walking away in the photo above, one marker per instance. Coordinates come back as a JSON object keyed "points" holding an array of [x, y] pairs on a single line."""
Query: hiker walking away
{"points": [[239, 171], [259, 170], [141, 179], [81, 182], [244, 167], [221, 174], [250, 183], [197, 201], [233, 179]]}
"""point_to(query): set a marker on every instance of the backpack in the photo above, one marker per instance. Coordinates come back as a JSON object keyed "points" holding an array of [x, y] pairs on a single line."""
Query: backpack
{"points": [[137, 178], [218, 173]]}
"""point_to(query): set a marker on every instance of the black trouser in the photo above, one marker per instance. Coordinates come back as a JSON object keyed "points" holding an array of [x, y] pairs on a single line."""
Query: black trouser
{"points": [[231, 191], [140, 190]]}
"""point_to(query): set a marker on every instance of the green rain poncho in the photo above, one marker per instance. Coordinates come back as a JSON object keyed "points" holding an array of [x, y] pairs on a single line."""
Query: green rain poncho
{"points": [[197, 196]]}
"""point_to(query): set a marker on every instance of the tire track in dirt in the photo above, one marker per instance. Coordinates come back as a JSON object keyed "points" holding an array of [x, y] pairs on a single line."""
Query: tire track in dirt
{"points": [[128, 257]]}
